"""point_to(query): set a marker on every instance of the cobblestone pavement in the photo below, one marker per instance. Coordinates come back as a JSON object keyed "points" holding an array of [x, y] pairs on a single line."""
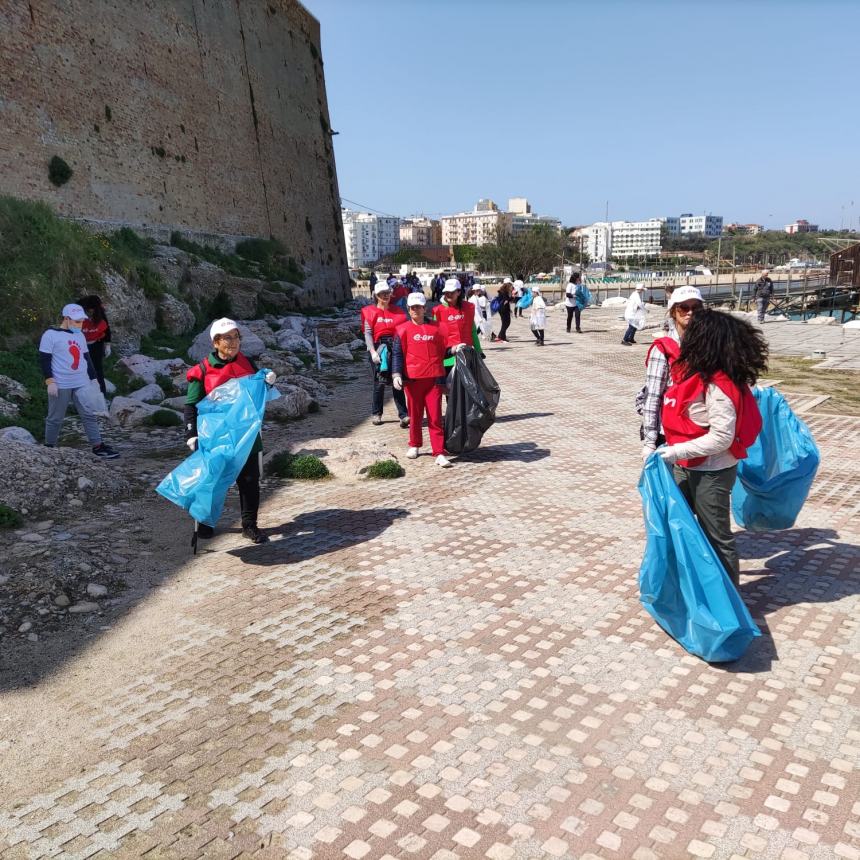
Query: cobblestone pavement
{"points": [[456, 665]]}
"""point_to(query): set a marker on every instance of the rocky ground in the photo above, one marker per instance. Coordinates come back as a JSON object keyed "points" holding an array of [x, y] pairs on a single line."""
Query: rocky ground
{"points": [[94, 533]]}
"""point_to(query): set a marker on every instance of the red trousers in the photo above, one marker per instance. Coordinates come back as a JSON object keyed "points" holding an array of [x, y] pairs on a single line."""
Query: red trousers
{"points": [[424, 394]]}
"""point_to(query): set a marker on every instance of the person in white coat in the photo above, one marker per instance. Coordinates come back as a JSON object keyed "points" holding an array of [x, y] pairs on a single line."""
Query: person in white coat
{"points": [[537, 316], [634, 314], [482, 311]]}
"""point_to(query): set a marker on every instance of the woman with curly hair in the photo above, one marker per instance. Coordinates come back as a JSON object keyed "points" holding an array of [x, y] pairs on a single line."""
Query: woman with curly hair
{"points": [[710, 419]]}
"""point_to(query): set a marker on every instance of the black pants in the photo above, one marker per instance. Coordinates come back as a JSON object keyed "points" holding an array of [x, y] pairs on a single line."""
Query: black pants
{"points": [[518, 311], [538, 333], [505, 317], [97, 354], [248, 483], [379, 383], [577, 311], [630, 334]]}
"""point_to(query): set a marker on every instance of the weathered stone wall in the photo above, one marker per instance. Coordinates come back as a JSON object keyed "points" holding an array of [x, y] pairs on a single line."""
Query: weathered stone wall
{"points": [[208, 116]]}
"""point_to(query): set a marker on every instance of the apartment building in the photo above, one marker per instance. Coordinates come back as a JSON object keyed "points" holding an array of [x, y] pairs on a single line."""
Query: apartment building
{"points": [[607, 240], [361, 235], [801, 226], [388, 228], [710, 226], [520, 222], [475, 227], [743, 229], [420, 232]]}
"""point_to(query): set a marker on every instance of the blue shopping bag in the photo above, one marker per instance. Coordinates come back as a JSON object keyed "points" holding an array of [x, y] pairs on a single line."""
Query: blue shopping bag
{"points": [[229, 419], [774, 480], [682, 583]]}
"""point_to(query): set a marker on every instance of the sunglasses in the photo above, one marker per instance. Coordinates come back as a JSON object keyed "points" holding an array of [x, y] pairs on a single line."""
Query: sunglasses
{"points": [[689, 308]]}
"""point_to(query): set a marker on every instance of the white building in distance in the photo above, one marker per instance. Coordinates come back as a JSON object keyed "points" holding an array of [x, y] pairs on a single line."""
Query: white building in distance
{"points": [[369, 237], [483, 223], [709, 226], [607, 240]]}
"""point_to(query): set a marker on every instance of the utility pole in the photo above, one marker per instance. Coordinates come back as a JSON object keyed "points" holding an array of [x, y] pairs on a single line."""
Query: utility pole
{"points": [[719, 247]]}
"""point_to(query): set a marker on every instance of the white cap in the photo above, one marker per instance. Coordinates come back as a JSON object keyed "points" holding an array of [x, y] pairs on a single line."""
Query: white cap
{"points": [[640, 286], [685, 294], [506, 281], [416, 299], [518, 283], [535, 288], [381, 287], [222, 326], [74, 312], [451, 285]]}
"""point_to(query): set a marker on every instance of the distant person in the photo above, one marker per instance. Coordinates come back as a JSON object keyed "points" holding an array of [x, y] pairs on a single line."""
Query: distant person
{"points": [[634, 314], [712, 419], [373, 280], [97, 332], [479, 299], [419, 350], [505, 297], [517, 291], [537, 316], [763, 293], [399, 291], [68, 370], [574, 301], [379, 324]]}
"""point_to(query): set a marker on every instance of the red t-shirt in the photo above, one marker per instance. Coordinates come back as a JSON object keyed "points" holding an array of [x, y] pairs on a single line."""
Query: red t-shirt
{"points": [[384, 323], [459, 321], [423, 348]]}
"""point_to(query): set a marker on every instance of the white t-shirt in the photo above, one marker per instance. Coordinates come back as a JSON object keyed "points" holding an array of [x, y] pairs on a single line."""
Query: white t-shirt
{"points": [[68, 351]]}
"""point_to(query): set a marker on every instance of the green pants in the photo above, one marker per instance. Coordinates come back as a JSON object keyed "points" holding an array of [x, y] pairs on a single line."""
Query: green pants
{"points": [[709, 495]]}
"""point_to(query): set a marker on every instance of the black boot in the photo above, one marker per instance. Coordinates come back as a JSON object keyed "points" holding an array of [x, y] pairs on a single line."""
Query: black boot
{"points": [[250, 531]]}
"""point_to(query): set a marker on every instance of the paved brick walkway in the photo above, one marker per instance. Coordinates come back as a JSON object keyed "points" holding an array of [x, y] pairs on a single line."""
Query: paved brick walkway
{"points": [[456, 665]]}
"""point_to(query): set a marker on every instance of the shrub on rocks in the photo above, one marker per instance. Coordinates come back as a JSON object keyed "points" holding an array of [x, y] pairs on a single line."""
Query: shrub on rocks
{"points": [[305, 467], [163, 418], [385, 470], [10, 518]]}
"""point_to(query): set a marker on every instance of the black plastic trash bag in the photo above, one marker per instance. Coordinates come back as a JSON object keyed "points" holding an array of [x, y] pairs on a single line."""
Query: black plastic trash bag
{"points": [[472, 400]]}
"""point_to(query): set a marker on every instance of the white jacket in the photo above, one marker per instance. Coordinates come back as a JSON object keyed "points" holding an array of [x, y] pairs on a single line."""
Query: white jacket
{"points": [[537, 317], [634, 310]]}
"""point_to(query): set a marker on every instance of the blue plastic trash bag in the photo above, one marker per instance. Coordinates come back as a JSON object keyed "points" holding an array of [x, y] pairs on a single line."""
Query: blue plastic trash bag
{"points": [[774, 480], [682, 583], [383, 359], [228, 421], [526, 300]]}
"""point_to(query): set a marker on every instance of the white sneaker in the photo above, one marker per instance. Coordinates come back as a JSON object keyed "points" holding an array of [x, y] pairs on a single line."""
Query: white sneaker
{"points": [[412, 454], [443, 461]]}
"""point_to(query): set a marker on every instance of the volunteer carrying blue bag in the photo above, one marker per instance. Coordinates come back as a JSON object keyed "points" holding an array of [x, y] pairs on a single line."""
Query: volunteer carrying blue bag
{"points": [[224, 412], [682, 583], [775, 478]]}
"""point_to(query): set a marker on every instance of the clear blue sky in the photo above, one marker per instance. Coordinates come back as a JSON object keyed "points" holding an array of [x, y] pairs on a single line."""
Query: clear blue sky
{"points": [[743, 109]]}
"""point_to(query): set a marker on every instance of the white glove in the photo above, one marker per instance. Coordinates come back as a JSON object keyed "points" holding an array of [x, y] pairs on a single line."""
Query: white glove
{"points": [[458, 347], [668, 455], [271, 376], [192, 444], [53, 391], [397, 381], [107, 350], [96, 383], [647, 450], [375, 357]]}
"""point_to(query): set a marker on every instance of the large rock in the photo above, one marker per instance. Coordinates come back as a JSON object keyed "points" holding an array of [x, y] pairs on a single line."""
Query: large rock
{"points": [[336, 353], [291, 340], [130, 313], [145, 368], [17, 434], [282, 363], [172, 264], [151, 393], [11, 389], [174, 316], [127, 412], [297, 323], [343, 331], [252, 345], [243, 295], [277, 299], [8, 409], [316, 389], [263, 331], [293, 402]]}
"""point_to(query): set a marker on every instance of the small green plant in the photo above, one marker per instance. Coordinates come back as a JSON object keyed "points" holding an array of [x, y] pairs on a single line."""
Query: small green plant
{"points": [[59, 171], [161, 344], [385, 469], [305, 467], [10, 518], [165, 383], [163, 418]]}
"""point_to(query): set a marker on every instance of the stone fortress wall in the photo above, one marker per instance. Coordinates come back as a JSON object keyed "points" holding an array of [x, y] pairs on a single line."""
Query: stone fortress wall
{"points": [[206, 116]]}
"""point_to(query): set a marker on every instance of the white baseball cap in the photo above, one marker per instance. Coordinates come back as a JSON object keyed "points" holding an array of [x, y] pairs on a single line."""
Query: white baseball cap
{"points": [[74, 312], [685, 294], [640, 286], [416, 299], [506, 281], [451, 285], [222, 326], [381, 287]]}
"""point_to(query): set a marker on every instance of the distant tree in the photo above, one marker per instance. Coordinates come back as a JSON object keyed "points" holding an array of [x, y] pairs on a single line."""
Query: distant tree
{"points": [[466, 254], [535, 250]]}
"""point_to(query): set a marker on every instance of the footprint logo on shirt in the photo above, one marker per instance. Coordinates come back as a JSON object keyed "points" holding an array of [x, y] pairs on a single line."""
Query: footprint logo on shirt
{"points": [[75, 352]]}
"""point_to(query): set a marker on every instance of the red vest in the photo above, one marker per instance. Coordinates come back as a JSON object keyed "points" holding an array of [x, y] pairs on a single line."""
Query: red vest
{"points": [[679, 427], [668, 346], [460, 321], [384, 323], [423, 349], [212, 377], [94, 331]]}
